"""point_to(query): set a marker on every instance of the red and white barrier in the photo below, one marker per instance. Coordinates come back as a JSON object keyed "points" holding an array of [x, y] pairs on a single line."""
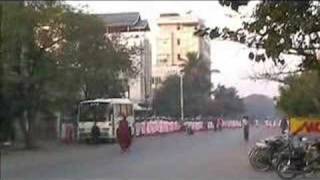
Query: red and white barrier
{"points": [[271, 124], [156, 127], [162, 126]]}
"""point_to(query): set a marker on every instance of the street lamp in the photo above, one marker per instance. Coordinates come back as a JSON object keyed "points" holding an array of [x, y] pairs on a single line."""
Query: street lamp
{"points": [[182, 91]]}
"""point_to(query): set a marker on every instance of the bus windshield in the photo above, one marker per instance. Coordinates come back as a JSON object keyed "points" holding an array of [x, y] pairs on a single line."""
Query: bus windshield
{"points": [[98, 112]]}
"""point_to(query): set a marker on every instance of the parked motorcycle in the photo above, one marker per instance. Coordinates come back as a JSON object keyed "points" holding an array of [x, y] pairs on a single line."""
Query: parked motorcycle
{"points": [[301, 160], [264, 155]]}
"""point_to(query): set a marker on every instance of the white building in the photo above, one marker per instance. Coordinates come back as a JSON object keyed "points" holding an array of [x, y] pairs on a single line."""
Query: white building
{"points": [[133, 32], [174, 41]]}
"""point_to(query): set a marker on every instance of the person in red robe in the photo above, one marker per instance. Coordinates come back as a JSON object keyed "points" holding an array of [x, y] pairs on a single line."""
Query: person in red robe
{"points": [[124, 136]]}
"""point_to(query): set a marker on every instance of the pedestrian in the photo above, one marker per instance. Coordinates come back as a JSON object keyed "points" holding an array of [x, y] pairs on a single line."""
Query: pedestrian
{"points": [[124, 135], [245, 125], [284, 125], [189, 130], [257, 123], [215, 124], [95, 133], [220, 124]]}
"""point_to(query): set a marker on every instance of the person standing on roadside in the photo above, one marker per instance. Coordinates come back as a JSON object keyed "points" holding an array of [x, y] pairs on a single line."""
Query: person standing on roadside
{"points": [[245, 125], [215, 124], [220, 124], [95, 133], [284, 125], [124, 135]]}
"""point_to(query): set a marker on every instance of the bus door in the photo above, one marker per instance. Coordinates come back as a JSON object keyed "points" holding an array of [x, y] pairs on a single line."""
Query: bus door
{"points": [[117, 110], [114, 124]]}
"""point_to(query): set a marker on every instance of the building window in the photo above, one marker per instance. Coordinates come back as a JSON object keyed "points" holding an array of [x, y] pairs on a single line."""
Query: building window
{"points": [[178, 41], [179, 57]]}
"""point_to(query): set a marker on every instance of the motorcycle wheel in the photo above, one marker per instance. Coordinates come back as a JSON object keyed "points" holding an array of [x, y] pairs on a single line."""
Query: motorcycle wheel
{"points": [[252, 151], [257, 160], [282, 170]]}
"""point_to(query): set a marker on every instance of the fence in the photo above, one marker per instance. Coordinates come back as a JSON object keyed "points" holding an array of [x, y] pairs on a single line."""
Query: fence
{"points": [[159, 126], [155, 127]]}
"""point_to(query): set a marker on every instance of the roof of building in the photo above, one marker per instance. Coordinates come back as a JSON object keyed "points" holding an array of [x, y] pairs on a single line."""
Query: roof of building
{"points": [[128, 19], [169, 14], [174, 18], [143, 24]]}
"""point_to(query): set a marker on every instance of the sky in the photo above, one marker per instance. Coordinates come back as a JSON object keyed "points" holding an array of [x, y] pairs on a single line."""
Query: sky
{"points": [[229, 57]]}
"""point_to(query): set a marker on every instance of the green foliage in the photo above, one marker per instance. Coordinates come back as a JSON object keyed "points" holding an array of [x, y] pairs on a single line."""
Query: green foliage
{"points": [[196, 87], [52, 57], [167, 98], [91, 63], [234, 4], [25, 65], [226, 103], [301, 96], [278, 27]]}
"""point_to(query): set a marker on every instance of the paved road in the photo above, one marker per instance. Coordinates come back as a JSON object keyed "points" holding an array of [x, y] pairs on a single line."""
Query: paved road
{"points": [[203, 156]]}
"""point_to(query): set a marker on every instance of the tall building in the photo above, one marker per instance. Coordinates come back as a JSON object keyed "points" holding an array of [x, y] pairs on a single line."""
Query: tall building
{"points": [[132, 31], [174, 41]]}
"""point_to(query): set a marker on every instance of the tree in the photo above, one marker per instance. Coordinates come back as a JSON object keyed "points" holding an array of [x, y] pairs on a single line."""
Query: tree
{"points": [[301, 96], [234, 4], [92, 64], [277, 28], [196, 87], [25, 65], [226, 103], [166, 101], [49, 65]]}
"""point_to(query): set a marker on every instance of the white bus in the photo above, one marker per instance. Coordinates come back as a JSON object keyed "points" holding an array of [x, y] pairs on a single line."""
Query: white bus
{"points": [[106, 113]]}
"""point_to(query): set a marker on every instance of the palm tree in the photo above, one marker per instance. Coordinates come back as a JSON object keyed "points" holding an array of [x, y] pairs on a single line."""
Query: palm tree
{"points": [[195, 64], [197, 83]]}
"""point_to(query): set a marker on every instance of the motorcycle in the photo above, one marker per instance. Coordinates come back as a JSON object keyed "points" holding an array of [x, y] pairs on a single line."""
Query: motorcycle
{"points": [[264, 155], [302, 160]]}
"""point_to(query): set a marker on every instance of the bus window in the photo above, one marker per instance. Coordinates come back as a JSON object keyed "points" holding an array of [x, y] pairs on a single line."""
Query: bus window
{"points": [[123, 109], [94, 112]]}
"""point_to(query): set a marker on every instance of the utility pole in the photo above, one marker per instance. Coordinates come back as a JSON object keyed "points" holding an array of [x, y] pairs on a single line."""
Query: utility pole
{"points": [[1, 80], [181, 97]]}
